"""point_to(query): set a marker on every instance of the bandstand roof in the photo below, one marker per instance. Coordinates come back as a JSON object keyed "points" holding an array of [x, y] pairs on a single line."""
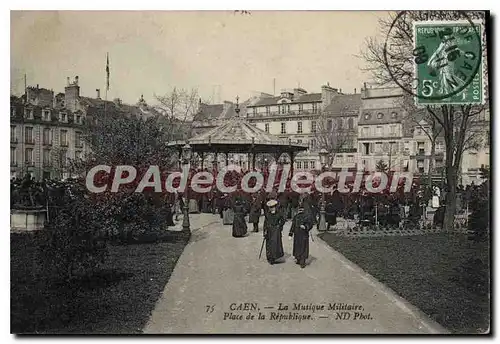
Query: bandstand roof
{"points": [[237, 135]]}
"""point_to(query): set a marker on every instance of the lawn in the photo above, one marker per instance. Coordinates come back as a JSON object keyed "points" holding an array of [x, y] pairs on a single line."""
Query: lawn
{"points": [[445, 275], [117, 299]]}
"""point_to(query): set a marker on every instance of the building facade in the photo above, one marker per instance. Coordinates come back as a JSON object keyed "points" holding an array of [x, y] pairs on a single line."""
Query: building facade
{"points": [[46, 130]]}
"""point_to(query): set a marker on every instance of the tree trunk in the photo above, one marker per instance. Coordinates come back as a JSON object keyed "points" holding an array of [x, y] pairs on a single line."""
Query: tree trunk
{"points": [[432, 161], [450, 200]]}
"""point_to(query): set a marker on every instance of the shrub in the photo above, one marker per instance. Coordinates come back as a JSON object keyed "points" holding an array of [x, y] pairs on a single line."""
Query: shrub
{"points": [[479, 219]]}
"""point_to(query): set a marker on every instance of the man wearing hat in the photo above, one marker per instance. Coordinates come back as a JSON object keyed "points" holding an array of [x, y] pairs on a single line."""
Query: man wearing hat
{"points": [[273, 225], [302, 223]]}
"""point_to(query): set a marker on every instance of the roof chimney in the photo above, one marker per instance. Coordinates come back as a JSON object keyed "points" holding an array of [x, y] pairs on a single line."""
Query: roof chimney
{"points": [[67, 81], [98, 93], [354, 90], [76, 80]]}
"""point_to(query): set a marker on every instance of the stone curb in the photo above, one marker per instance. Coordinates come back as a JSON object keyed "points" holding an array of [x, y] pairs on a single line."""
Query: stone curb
{"points": [[424, 319]]}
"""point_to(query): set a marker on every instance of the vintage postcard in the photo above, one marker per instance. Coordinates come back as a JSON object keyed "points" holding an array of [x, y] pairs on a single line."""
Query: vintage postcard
{"points": [[250, 172]]}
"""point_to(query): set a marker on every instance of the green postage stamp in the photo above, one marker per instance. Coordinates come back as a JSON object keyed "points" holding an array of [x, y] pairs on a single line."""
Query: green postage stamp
{"points": [[448, 59]]}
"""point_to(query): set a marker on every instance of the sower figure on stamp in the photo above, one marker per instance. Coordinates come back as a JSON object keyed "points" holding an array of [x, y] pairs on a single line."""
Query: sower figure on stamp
{"points": [[302, 223], [273, 226]]}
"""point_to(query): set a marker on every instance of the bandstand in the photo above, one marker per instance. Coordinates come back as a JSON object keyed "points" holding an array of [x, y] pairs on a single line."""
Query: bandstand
{"points": [[237, 135]]}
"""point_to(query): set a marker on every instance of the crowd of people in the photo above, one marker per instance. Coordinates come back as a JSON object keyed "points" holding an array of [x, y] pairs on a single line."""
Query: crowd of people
{"points": [[384, 210]]}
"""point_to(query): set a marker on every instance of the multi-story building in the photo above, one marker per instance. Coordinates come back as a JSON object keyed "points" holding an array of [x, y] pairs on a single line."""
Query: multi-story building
{"points": [[381, 130], [309, 118], [46, 130]]}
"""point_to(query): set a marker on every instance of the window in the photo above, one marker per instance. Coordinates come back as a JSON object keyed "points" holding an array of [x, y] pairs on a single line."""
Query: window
{"points": [[266, 127], [339, 123], [12, 111], [28, 113], [29, 156], [283, 128], [407, 145], [487, 138], [313, 126], [367, 116], [46, 157], [46, 115], [439, 145], [281, 109], [46, 136], [379, 130], [380, 115], [254, 110], [28, 135], [299, 141], [329, 125], [378, 147], [421, 148], [393, 130], [64, 138], [350, 158], [299, 127], [306, 165], [312, 144], [314, 108], [394, 115], [366, 148], [418, 131], [365, 131], [287, 108], [63, 117], [268, 110], [299, 165], [13, 158], [13, 137], [301, 108], [78, 139], [312, 164], [350, 123]]}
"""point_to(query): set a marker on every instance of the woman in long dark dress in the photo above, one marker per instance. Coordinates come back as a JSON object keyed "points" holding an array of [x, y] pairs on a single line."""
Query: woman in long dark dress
{"points": [[273, 226], [239, 224]]}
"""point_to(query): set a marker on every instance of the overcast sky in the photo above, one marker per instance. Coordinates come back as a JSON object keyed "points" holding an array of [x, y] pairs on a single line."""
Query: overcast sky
{"points": [[151, 52]]}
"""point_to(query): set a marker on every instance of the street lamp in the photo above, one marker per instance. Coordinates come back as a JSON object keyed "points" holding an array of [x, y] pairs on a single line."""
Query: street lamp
{"points": [[323, 156], [186, 157]]}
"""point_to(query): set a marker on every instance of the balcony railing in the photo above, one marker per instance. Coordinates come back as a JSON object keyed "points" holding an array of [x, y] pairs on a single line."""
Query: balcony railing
{"points": [[29, 141], [13, 140], [29, 163]]}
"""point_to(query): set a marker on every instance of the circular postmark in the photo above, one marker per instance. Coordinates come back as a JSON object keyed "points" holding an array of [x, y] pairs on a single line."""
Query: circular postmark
{"points": [[434, 56]]}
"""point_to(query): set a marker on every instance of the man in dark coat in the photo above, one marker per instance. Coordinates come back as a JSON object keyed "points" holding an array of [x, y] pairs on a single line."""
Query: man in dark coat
{"points": [[302, 223], [330, 213], [273, 226], [255, 210], [239, 224]]}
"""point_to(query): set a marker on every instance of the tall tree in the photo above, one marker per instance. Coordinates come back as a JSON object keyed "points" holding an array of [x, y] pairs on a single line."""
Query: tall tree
{"points": [[334, 135], [458, 121], [179, 107]]}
